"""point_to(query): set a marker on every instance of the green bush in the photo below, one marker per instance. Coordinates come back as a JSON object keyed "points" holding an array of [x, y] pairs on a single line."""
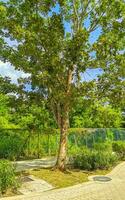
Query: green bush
{"points": [[103, 160], [10, 146], [93, 159], [75, 150], [106, 146], [119, 148], [7, 176], [83, 160]]}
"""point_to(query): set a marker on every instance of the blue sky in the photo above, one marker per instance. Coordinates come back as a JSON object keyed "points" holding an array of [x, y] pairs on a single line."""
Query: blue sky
{"points": [[6, 69]]}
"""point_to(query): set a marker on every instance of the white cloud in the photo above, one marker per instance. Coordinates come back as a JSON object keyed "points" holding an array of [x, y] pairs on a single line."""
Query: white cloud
{"points": [[6, 69]]}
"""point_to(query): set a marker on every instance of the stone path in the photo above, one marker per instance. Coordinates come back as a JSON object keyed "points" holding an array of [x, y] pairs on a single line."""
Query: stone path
{"points": [[92, 190], [35, 164]]}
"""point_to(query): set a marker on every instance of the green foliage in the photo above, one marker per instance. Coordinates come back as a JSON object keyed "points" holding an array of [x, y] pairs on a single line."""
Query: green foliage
{"points": [[83, 160], [7, 176], [21, 144], [94, 159], [5, 113], [105, 146], [110, 135], [41, 144], [119, 148], [11, 145], [104, 160], [97, 115], [6, 86], [52, 54], [75, 150], [35, 117]]}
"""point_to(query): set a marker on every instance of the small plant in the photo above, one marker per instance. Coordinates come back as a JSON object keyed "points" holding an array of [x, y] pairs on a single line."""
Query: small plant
{"points": [[7, 176], [119, 148]]}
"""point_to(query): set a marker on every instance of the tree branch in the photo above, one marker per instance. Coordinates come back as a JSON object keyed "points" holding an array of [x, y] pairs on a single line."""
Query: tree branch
{"points": [[76, 15], [96, 23]]}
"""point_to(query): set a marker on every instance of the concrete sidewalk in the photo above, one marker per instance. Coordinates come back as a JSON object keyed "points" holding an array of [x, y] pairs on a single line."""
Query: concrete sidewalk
{"points": [[35, 164]]}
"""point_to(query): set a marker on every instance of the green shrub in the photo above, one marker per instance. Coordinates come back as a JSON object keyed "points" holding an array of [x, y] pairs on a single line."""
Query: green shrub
{"points": [[93, 159], [75, 150], [83, 160], [119, 148], [103, 159], [106, 146], [10, 146], [7, 176]]}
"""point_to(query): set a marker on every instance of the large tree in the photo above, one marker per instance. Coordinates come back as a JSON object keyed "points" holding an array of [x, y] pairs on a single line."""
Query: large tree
{"points": [[52, 41]]}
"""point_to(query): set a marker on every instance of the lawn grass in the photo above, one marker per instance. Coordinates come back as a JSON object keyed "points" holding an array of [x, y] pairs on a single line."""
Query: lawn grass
{"points": [[60, 180]]}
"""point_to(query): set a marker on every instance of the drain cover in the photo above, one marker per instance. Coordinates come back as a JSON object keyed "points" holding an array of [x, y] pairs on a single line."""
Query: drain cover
{"points": [[102, 178]]}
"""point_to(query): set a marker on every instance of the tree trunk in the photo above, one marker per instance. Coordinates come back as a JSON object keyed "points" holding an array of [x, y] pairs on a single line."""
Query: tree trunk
{"points": [[61, 160], [64, 125]]}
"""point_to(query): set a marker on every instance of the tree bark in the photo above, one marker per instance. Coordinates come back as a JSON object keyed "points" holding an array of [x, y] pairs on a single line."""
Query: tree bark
{"points": [[64, 125], [62, 154]]}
